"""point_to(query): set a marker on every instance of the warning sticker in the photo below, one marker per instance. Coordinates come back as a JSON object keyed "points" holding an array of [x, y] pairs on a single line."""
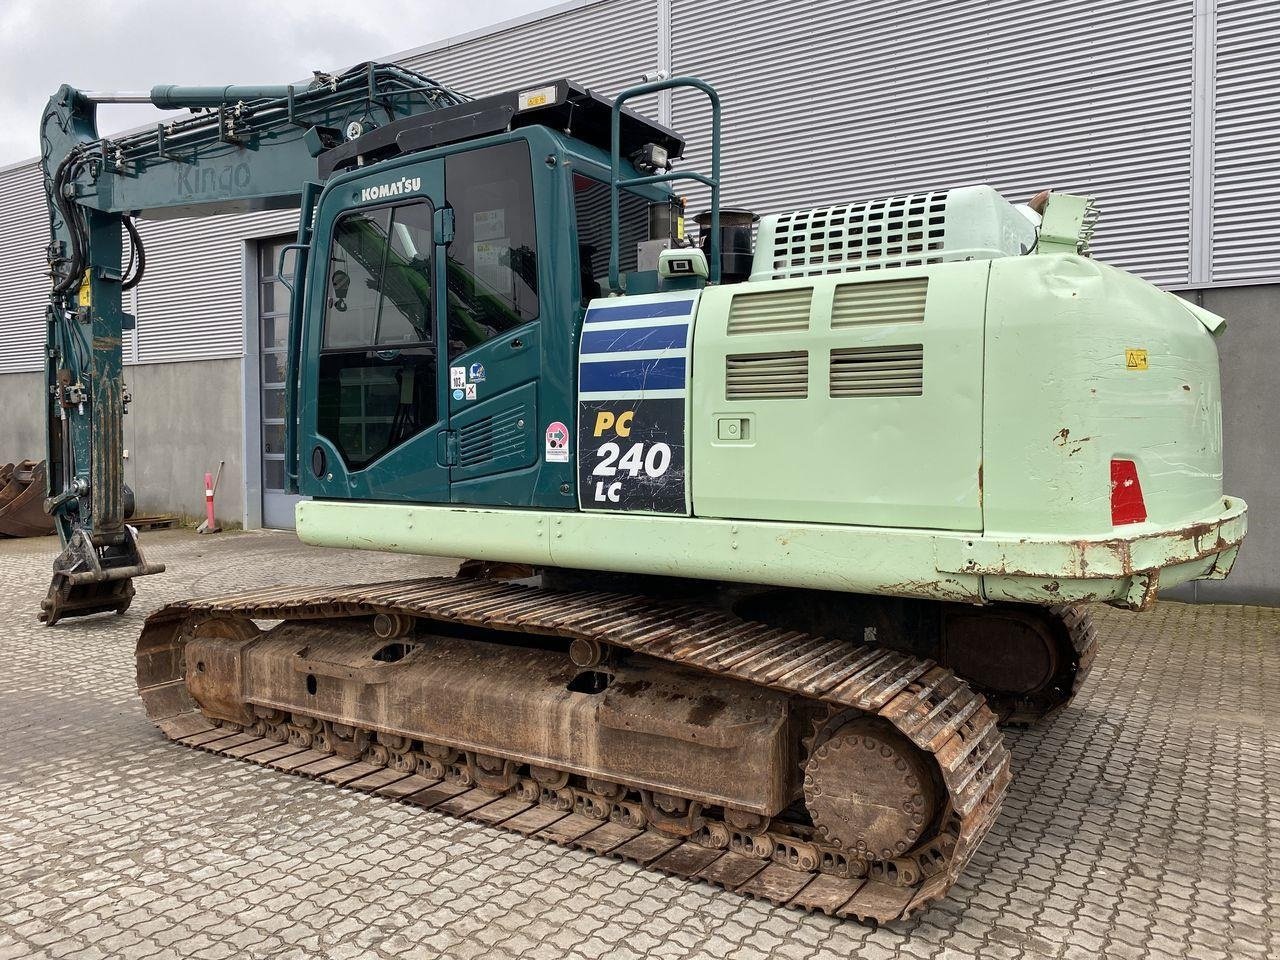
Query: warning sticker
{"points": [[1135, 359], [557, 443], [470, 391]]}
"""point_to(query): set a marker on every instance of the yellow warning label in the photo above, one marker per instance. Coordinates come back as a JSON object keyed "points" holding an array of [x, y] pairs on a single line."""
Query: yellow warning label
{"points": [[1135, 359], [536, 98], [86, 298]]}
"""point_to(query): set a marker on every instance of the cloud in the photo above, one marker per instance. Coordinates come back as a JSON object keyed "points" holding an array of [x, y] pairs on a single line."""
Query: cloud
{"points": [[136, 44]]}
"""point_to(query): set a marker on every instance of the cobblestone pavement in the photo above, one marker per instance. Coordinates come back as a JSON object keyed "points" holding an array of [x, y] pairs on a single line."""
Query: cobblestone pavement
{"points": [[1143, 821]]}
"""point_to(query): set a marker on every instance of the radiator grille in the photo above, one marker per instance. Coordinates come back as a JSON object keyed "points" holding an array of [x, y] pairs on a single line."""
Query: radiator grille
{"points": [[497, 436], [890, 301], [867, 235], [767, 376], [776, 311], [889, 371]]}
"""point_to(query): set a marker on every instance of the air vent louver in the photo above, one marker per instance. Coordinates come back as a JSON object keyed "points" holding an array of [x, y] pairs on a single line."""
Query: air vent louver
{"points": [[888, 371], [890, 301], [767, 376], [867, 235], [776, 311], [497, 436]]}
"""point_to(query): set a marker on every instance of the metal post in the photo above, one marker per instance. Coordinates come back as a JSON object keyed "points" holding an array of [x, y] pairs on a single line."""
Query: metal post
{"points": [[1203, 84], [664, 60]]}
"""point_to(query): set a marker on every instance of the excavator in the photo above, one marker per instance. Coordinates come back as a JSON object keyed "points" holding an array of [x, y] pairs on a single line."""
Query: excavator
{"points": [[767, 534]]}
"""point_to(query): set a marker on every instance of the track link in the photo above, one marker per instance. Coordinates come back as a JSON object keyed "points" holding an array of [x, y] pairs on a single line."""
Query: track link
{"points": [[925, 703]]}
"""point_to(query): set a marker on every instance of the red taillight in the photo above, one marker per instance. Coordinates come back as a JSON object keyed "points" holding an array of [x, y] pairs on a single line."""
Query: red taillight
{"points": [[1127, 505]]}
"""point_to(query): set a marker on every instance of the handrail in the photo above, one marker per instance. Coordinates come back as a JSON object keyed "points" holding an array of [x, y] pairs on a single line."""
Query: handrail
{"points": [[616, 183]]}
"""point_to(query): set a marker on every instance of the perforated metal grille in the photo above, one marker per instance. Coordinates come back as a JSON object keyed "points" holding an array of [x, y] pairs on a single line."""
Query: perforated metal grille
{"points": [[867, 235], [890, 371], [885, 301], [767, 376], [775, 312]]}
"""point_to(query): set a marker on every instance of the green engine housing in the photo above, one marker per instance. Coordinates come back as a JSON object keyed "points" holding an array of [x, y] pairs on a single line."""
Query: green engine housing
{"points": [[937, 396]]}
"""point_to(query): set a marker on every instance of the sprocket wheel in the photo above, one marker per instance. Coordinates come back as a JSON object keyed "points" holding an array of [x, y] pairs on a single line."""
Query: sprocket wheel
{"points": [[869, 790]]}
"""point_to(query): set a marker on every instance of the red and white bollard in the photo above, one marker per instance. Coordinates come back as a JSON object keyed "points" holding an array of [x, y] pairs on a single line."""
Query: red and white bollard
{"points": [[210, 524]]}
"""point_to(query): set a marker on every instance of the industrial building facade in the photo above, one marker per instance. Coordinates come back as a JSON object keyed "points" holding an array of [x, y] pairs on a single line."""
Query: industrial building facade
{"points": [[1166, 111]]}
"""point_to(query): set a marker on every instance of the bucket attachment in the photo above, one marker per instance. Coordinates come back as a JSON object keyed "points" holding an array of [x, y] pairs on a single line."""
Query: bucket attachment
{"points": [[22, 500], [89, 578]]}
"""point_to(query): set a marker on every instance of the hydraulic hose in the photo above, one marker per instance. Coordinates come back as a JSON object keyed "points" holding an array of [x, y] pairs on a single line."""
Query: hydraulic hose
{"points": [[136, 250]]}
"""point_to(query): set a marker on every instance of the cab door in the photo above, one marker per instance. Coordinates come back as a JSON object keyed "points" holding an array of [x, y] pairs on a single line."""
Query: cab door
{"points": [[494, 325], [373, 383]]}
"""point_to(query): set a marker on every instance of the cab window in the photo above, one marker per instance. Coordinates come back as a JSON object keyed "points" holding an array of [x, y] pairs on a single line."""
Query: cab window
{"points": [[591, 214], [377, 380], [493, 258]]}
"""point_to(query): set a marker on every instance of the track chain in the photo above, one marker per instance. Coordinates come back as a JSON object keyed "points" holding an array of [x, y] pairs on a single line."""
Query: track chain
{"points": [[928, 704]]}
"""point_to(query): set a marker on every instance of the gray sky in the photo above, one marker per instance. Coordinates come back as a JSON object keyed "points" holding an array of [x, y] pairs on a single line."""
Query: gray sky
{"points": [[135, 44]]}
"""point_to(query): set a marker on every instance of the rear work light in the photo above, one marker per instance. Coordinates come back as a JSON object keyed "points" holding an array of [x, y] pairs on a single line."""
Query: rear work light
{"points": [[1127, 505]]}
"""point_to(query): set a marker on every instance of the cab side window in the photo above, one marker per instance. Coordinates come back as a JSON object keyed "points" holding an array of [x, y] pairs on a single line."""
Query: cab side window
{"points": [[377, 382], [493, 259]]}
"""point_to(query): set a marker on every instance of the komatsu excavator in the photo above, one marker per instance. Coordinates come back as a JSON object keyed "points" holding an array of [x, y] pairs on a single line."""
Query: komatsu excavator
{"points": [[789, 531]]}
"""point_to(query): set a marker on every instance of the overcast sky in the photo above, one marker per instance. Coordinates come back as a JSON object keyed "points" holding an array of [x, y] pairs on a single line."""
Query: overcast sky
{"points": [[135, 44]]}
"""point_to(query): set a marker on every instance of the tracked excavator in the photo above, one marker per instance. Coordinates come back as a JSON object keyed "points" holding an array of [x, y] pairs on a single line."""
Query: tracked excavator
{"points": [[767, 533]]}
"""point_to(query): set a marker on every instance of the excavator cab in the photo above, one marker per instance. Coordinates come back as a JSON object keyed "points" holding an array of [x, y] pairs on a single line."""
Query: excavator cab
{"points": [[443, 297]]}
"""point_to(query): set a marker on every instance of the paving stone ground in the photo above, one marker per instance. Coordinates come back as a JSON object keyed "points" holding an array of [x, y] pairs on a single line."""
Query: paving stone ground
{"points": [[1144, 821]]}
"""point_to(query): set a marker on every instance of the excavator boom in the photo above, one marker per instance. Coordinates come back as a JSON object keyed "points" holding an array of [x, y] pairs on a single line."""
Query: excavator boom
{"points": [[244, 148]]}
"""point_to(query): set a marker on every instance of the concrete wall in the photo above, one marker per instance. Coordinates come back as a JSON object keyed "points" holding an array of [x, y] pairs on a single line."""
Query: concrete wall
{"points": [[21, 417], [1248, 352], [184, 418]]}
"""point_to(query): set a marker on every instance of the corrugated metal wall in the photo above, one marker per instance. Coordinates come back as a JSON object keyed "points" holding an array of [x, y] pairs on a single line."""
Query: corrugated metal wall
{"points": [[833, 101], [190, 305], [607, 46], [24, 233], [827, 101], [1246, 191]]}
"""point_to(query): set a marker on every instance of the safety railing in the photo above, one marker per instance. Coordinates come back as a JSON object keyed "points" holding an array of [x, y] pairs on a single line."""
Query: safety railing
{"points": [[617, 184]]}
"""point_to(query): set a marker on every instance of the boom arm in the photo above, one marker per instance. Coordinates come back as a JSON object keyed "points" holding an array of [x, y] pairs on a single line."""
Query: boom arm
{"points": [[243, 149]]}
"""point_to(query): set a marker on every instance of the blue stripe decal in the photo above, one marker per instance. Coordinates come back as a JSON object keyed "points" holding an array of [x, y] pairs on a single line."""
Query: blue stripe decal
{"points": [[635, 338], [663, 374], [641, 311]]}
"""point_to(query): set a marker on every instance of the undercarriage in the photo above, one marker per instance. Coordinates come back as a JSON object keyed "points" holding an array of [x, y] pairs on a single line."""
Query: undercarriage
{"points": [[825, 773], [1027, 661]]}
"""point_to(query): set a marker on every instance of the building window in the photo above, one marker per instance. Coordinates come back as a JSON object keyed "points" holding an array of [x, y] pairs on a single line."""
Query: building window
{"points": [[378, 356], [493, 259]]}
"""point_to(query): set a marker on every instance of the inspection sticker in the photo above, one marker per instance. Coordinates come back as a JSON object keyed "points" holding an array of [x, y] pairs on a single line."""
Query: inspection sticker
{"points": [[457, 377], [557, 443], [1135, 358]]}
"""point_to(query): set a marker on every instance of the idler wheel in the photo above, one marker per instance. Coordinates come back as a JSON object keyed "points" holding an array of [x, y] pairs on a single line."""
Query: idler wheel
{"points": [[869, 789]]}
